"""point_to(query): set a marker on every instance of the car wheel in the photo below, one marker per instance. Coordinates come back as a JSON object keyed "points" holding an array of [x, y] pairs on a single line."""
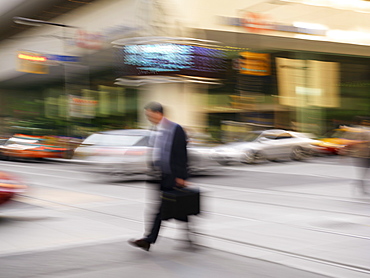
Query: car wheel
{"points": [[223, 162], [68, 154], [259, 157], [299, 153], [7, 157], [248, 157]]}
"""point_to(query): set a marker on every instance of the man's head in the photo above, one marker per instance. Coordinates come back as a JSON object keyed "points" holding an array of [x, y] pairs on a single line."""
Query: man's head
{"points": [[154, 112]]}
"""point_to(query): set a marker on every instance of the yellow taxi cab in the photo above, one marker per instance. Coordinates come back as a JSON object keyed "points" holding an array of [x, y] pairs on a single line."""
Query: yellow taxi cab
{"points": [[339, 140]]}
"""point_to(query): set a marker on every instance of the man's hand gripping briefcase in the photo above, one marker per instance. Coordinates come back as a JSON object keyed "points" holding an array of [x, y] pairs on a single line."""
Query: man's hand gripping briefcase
{"points": [[180, 202]]}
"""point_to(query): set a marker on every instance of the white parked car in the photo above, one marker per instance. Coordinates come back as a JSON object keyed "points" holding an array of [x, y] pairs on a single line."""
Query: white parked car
{"points": [[126, 152], [273, 144]]}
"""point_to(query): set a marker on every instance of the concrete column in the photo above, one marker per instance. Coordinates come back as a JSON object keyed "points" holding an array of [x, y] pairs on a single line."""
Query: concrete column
{"points": [[183, 103]]}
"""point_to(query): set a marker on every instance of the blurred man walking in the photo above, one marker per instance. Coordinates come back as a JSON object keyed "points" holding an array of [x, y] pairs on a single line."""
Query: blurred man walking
{"points": [[169, 158]]}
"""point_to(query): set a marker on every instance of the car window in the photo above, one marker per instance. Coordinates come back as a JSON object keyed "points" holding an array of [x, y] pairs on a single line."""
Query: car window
{"points": [[283, 136], [21, 141], [144, 141], [112, 140], [250, 137], [345, 134], [352, 135], [337, 134], [269, 136]]}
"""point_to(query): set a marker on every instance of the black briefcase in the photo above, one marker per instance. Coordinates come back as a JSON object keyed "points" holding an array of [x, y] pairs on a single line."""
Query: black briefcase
{"points": [[180, 202]]}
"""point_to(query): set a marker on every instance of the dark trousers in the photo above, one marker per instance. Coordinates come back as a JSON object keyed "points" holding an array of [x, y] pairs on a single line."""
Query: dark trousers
{"points": [[166, 183], [364, 164]]}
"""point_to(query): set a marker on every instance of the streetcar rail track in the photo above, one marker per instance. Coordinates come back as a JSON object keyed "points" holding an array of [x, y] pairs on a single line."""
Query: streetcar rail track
{"points": [[346, 266], [304, 227], [255, 191], [351, 267]]}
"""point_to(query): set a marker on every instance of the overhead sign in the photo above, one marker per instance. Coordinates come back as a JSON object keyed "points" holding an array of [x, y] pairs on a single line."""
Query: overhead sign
{"points": [[97, 40], [82, 107], [31, 57], [254, 63], [31, 62], [256, 22], [89, 40]]}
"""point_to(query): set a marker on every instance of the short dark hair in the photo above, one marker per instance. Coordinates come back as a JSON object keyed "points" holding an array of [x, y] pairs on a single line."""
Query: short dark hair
{"points": [[154, 106]]}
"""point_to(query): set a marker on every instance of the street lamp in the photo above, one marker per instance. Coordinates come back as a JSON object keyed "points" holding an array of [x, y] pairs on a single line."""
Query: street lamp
{"points": [[37, 23]]}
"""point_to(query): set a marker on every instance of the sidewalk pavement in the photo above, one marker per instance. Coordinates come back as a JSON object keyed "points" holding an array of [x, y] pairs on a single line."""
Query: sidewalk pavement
{"points": [[254, 242], [118, 259]]}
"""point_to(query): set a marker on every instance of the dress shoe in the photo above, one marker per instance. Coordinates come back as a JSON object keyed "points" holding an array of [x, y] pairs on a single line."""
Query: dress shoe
{"points": [[141, 243], [188, 246]]}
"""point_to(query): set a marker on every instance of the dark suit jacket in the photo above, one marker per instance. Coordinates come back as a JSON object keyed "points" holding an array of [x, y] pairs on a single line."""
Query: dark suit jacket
{"points": [[178, 159]]}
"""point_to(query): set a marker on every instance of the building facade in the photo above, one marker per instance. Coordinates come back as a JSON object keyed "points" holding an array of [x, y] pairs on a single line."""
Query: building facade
{"points": [[287, 65]]}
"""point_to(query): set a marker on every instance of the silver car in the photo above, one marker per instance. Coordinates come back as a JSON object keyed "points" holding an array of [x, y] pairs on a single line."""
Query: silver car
{"points": [[126, 152], [257, 146]]}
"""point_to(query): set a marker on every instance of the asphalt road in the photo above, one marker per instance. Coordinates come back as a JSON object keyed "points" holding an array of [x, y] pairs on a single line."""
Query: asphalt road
{"points": [[246, 176], [255, 211]]}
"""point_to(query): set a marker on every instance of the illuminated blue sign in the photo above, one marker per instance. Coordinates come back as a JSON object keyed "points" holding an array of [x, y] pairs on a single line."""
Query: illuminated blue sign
{"points": [[171, 59], [62, 58]]}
